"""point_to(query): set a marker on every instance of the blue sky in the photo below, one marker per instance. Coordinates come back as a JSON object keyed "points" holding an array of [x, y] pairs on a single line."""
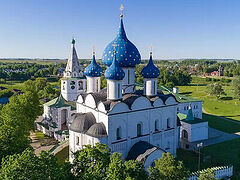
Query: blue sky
{"points": [[175, 28]]}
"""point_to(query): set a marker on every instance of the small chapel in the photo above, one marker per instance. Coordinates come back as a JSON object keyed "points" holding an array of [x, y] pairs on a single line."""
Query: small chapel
{"points": [[140, 124]]}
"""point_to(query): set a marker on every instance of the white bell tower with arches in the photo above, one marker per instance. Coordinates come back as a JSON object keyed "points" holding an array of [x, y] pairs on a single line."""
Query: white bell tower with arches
{"points": [[73, 82]]}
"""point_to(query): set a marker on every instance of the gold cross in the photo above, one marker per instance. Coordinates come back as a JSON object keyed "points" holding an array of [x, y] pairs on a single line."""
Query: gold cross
{"points": [[151, 49], [93, 50], [121, 9]]}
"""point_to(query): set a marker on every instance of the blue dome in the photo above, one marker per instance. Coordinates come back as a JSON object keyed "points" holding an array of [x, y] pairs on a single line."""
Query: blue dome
{"points": [[150, 71], [114, 72], [126, 52], [93, 70]]}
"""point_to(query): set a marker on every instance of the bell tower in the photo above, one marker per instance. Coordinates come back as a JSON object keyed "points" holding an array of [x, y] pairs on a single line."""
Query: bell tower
{"points": [[73, 82]]}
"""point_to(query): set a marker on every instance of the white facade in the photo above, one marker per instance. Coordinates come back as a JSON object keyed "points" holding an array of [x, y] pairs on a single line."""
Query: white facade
{"points": [[93, 84], [183, 107], [73, 83], [126, 124], [114, 89], [150, 86], [195, 132], [72, 87]]}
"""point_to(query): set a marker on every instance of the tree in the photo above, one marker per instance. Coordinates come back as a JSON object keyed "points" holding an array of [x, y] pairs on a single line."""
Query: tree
{"points": [[103, 82], [207, 174], [116, 168], [134, 170], [236, 88], [28, 166], [91, 162], [16, 120], [6, 93], [167, 168], [215, 89]]}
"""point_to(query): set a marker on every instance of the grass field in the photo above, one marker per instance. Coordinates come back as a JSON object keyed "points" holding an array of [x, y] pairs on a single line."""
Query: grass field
{"points": [[12, 85], [32, 61], [226, 153], [226, 106]]}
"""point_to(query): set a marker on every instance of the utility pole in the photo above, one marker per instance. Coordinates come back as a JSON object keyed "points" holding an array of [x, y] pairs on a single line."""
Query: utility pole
{"points": [[199, 154]]}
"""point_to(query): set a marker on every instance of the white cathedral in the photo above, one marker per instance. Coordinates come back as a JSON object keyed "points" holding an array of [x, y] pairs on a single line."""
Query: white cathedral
{"points": [[140, 124]]}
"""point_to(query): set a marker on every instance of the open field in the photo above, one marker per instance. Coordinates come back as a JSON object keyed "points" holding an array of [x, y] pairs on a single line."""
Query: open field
{"points": [[12, 84], [32, 61], [225, 106], [226, 153]]}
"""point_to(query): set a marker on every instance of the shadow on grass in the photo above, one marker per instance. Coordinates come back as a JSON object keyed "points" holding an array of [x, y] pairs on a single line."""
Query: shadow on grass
{"points": [[186, 93], [222, 124], [226, 98], [197, 84]]}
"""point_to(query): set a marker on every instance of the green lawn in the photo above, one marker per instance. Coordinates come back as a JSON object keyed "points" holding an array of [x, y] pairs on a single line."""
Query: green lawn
{"points": [[12, 85], [221, 124], [39, 135], [226, 106], [63, 155], [226, 153], [43, 62]]}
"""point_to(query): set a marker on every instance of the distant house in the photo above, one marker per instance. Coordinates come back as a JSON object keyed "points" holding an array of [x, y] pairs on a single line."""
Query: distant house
{"points": [[214, 73], [221, 70]]}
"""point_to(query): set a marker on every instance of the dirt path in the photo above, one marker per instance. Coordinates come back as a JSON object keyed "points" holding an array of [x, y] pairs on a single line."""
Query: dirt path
{"points": [[61, 147]]}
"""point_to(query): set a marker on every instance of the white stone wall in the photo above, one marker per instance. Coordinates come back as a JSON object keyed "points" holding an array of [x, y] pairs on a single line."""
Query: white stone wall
{"points": [[196, 108], [196, 132], [141, 112], [71, 88], [150, 86], [83, 140], [114, 89], [93, 84], [165, 138]]}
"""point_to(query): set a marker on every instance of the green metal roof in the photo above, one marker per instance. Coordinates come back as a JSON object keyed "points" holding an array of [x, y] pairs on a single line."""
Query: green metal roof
{"points": [[190, 115], [183, 118], [180, 98], [60, 102]]}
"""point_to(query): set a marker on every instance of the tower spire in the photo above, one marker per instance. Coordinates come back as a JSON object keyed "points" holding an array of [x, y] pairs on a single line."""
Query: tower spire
{"points": [[151, 50], [121, 9], [94, 50]]}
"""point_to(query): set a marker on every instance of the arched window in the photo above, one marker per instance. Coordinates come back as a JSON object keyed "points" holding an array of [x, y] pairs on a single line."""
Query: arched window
{"points": [[80, 85], [119, 90], [156, 125], [97, 85], [139, 129], [154, 87], [77, 140], [184, 134], [168, 123], [118, 133]]}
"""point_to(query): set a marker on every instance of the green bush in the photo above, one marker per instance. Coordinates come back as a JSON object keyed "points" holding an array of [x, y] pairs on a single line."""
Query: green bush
{"points": [[6, 93]]}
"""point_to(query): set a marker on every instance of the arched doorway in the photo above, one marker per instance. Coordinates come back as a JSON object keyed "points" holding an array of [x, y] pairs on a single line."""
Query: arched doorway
{"points": [[64, 116], [184, 134]]}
